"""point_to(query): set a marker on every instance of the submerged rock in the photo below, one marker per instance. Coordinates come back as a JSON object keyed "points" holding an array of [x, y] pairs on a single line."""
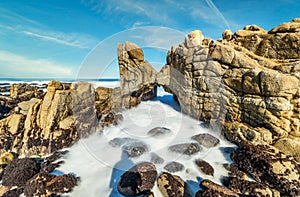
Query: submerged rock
{"points": [[138, 180], [174, 166], [133, 147], [156, 159], [206, 140], [187, 148], [158, 131]]}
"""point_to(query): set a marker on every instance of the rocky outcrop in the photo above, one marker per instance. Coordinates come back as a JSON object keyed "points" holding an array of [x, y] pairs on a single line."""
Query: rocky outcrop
{"points": [[42, 126], [210, 188], [137, 76], [247, 83], [269, 166], [33, 177]]}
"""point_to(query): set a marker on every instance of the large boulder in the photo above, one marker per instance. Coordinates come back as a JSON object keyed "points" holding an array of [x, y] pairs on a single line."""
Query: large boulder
{"points": [[138, 180], [172, 185]]}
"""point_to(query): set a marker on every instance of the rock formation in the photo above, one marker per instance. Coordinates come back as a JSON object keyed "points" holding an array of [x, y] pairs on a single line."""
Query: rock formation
{"points": [[42, 126], [138, 77], [248, 83]]}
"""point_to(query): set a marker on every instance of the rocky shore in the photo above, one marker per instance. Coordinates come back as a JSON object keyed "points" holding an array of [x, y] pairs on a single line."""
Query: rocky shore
{"points": [[245, 85]]}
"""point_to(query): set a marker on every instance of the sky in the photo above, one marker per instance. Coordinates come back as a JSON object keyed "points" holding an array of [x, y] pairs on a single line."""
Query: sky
{"points": [[78, 38]]}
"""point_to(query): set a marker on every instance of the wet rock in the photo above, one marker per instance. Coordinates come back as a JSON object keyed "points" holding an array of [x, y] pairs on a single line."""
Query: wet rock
{"points": [[19, 171], [158, 131], [138, 180], [205, 167], [174, 166], [234, 171], [156, 159], [252, 188], [267, 164], [172, 185], [44, 184], [187, 148], [133, 147], [206, 140], [211, 189]]}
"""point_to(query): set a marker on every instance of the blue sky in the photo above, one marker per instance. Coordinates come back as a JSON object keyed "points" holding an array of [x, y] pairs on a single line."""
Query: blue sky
{"points": [[61, 38]]}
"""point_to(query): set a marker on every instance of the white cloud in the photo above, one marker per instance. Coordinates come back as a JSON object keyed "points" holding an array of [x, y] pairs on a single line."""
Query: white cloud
{"points": [[74, 39], [14, 65], [23, 25]]}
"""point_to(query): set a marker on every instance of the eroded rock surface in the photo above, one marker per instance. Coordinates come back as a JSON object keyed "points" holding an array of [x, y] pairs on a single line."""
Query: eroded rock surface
{"points": [[138, 77], [247, 83]]}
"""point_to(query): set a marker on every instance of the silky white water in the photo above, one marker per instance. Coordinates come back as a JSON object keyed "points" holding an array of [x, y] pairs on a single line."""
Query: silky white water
{"points": [[99, 165]]}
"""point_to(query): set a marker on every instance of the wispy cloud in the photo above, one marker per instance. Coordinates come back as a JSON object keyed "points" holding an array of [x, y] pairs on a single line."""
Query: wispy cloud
{"points": [[170, 13], [73, 39], [14, 65], [12, 21]]}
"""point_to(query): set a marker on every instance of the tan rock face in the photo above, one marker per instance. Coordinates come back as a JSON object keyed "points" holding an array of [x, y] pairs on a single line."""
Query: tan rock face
{"points": [[138, 77], [248, 84], [51, 123]]}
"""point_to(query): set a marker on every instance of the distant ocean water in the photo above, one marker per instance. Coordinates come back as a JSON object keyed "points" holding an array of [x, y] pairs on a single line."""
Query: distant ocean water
{"points": [[5, 83]]}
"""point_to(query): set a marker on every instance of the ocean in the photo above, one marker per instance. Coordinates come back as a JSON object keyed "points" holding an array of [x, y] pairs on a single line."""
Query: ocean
{"points": [[100, 165]]}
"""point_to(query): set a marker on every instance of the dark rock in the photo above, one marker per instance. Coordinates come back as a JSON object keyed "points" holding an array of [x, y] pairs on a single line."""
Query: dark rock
{"points": [[206, 140], [156, 159], [48, 184], [235, 172], [133, 147], [138, 180], [174, 167], [205, 167], [19, 171], [211, 189], [249, 187], [268, 165], [172, 185], [148, 194], [187, 148], [13, 193], [158, 131]]}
